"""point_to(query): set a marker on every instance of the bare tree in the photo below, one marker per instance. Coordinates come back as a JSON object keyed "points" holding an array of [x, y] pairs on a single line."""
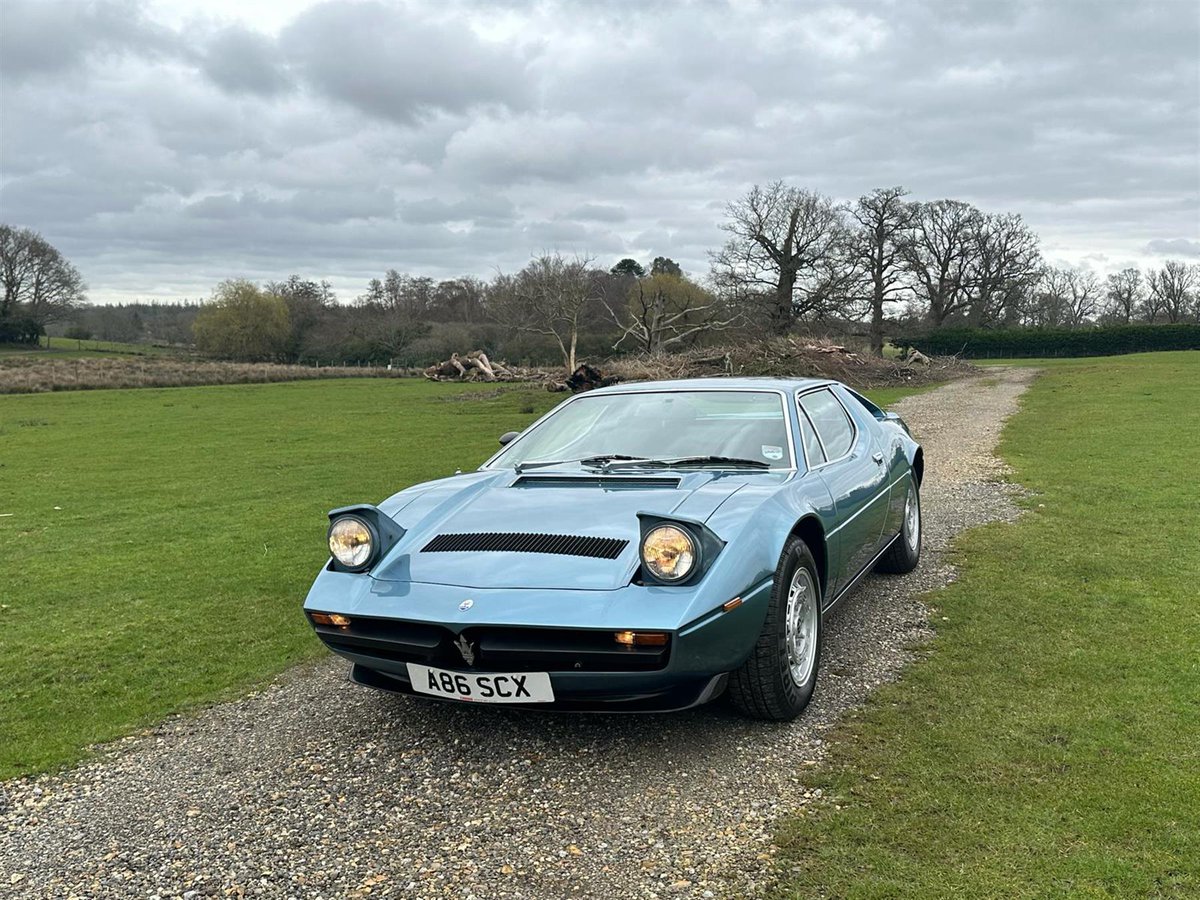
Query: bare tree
{"points": [[1003, 265], [551, 296], [782, 240], [875, 247], [39, 283], [1063, 298], [391, 315], [406, 294], [663, 312], [1045, 304], [938, 252], [1083, 299], [1173, 289], [459, 300], [1123, 296]]}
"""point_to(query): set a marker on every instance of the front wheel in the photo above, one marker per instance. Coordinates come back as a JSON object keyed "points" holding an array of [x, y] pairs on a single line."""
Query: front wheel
{"points": [[905, 552], [777, 681]]}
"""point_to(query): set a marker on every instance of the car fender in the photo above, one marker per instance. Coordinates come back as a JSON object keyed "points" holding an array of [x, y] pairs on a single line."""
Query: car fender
{"points": [[757, 523]]}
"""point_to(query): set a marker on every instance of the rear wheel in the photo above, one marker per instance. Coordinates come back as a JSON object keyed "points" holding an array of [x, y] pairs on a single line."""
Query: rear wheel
{"points": [[905, 552], [777, 681]]}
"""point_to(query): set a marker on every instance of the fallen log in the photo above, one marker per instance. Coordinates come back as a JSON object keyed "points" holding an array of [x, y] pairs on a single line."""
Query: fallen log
{"points": [[476, 366], [450, 370]]}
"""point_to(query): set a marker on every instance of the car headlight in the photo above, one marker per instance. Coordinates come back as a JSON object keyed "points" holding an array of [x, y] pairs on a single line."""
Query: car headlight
{"points": [[669, 553], [351, 541]]}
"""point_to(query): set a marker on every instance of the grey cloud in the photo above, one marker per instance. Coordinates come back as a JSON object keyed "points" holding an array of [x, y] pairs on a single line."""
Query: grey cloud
{"points": [[239, 60], [315, 206], [484, 210], [41, 37], [598, 212], [390, 63], [72, 197], [458, 138], [1176, 247]]}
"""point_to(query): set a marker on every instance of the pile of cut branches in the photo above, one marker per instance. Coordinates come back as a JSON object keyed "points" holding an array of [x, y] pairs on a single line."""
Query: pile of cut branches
{"points": [[792, 357], [475, 366]]}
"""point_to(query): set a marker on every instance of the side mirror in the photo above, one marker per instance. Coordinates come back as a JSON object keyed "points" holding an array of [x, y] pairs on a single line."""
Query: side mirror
{"points": [[507, 437]]}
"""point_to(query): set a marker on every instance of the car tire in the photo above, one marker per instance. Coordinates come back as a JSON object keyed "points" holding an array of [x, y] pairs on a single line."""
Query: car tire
{"points": [[777, 680], [905, 552]]}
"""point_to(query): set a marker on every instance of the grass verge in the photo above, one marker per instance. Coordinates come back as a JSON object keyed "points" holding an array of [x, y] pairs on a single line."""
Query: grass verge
{"points": [[1050, 743], [156, 545]]}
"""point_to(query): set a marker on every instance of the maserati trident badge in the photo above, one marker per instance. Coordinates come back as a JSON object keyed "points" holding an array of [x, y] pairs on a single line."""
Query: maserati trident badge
{"points": [[464, 647], [466, 604]]}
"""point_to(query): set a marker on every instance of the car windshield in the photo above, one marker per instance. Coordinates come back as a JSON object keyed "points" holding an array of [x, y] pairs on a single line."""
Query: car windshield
{"points": [[735, 425]]}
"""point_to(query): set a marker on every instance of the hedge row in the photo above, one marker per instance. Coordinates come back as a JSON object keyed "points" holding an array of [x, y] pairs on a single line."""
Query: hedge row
{"points": [[983, 343], [20, 331]]}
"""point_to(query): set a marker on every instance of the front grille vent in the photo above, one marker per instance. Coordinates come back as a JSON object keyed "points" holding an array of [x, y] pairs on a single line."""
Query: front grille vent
{"points": [[557, 544], [606, 482]]}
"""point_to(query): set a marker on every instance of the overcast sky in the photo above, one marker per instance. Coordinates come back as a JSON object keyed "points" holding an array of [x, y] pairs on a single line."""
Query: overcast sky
{"points": [[166, 146]]}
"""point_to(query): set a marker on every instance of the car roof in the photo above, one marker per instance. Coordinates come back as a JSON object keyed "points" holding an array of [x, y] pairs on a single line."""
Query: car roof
{"points": [[716, 382]]}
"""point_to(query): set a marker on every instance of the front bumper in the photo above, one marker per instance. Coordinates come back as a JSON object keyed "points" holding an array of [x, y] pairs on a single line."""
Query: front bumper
{"points": [[588, 668], [573, 694]]}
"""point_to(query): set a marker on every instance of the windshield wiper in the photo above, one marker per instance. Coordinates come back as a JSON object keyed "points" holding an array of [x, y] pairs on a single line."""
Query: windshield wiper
{"points": [[586, 461], [682, 461]]}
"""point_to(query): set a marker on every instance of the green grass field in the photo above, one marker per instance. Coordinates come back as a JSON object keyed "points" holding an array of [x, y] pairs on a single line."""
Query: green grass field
{"points": [[68, 348], [156, 544], [1049, 745]]}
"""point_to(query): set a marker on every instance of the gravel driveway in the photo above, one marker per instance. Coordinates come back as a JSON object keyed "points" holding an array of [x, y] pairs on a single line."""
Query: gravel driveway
{"points": [[316, 788]]}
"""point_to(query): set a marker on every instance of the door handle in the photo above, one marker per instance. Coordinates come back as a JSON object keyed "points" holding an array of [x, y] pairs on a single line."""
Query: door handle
{"points": [[878, 457]]}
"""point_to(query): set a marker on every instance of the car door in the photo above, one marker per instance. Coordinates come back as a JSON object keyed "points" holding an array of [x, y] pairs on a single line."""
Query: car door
{"points": [[854, 471], [888, 441]]}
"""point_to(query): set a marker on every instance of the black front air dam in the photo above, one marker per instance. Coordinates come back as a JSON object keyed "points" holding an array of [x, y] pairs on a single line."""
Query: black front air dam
{"points": [[668, 699]]}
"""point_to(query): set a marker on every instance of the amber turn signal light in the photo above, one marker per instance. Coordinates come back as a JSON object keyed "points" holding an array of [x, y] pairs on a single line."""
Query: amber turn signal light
{"points": [[331, 619], [641, 638]]}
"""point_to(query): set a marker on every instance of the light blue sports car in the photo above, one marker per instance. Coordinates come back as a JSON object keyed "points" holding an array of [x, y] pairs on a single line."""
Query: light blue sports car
{"points": [[655, 546]]}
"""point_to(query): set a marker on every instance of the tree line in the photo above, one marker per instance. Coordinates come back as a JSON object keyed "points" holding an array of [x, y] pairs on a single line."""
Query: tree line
{"points": [[792, 259], [798, 256], [555, 309]]}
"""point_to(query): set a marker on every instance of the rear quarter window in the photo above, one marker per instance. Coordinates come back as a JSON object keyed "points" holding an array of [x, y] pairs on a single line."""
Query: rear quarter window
{"points": [[866, 404]]}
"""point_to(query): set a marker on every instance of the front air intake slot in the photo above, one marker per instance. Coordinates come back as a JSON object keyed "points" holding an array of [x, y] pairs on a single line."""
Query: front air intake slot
{"points": [[556, 544], [605, 482]]}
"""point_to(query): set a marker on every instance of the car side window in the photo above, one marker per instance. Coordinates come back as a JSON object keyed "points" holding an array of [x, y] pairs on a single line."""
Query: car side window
{"points": [[866, 404], [812, 447], [831, 421]]}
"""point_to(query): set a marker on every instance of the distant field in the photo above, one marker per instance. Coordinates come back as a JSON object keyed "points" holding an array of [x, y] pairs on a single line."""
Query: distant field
{"points": [[69, 348], [156, 545], [1049, 746], [33, 373]]}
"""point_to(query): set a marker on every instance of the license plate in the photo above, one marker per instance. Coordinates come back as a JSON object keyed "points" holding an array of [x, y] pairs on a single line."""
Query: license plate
{"points": [[494, 687]]}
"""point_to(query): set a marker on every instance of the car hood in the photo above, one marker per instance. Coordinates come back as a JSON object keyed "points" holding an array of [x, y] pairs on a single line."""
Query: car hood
{"points": [[509, 508]]}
